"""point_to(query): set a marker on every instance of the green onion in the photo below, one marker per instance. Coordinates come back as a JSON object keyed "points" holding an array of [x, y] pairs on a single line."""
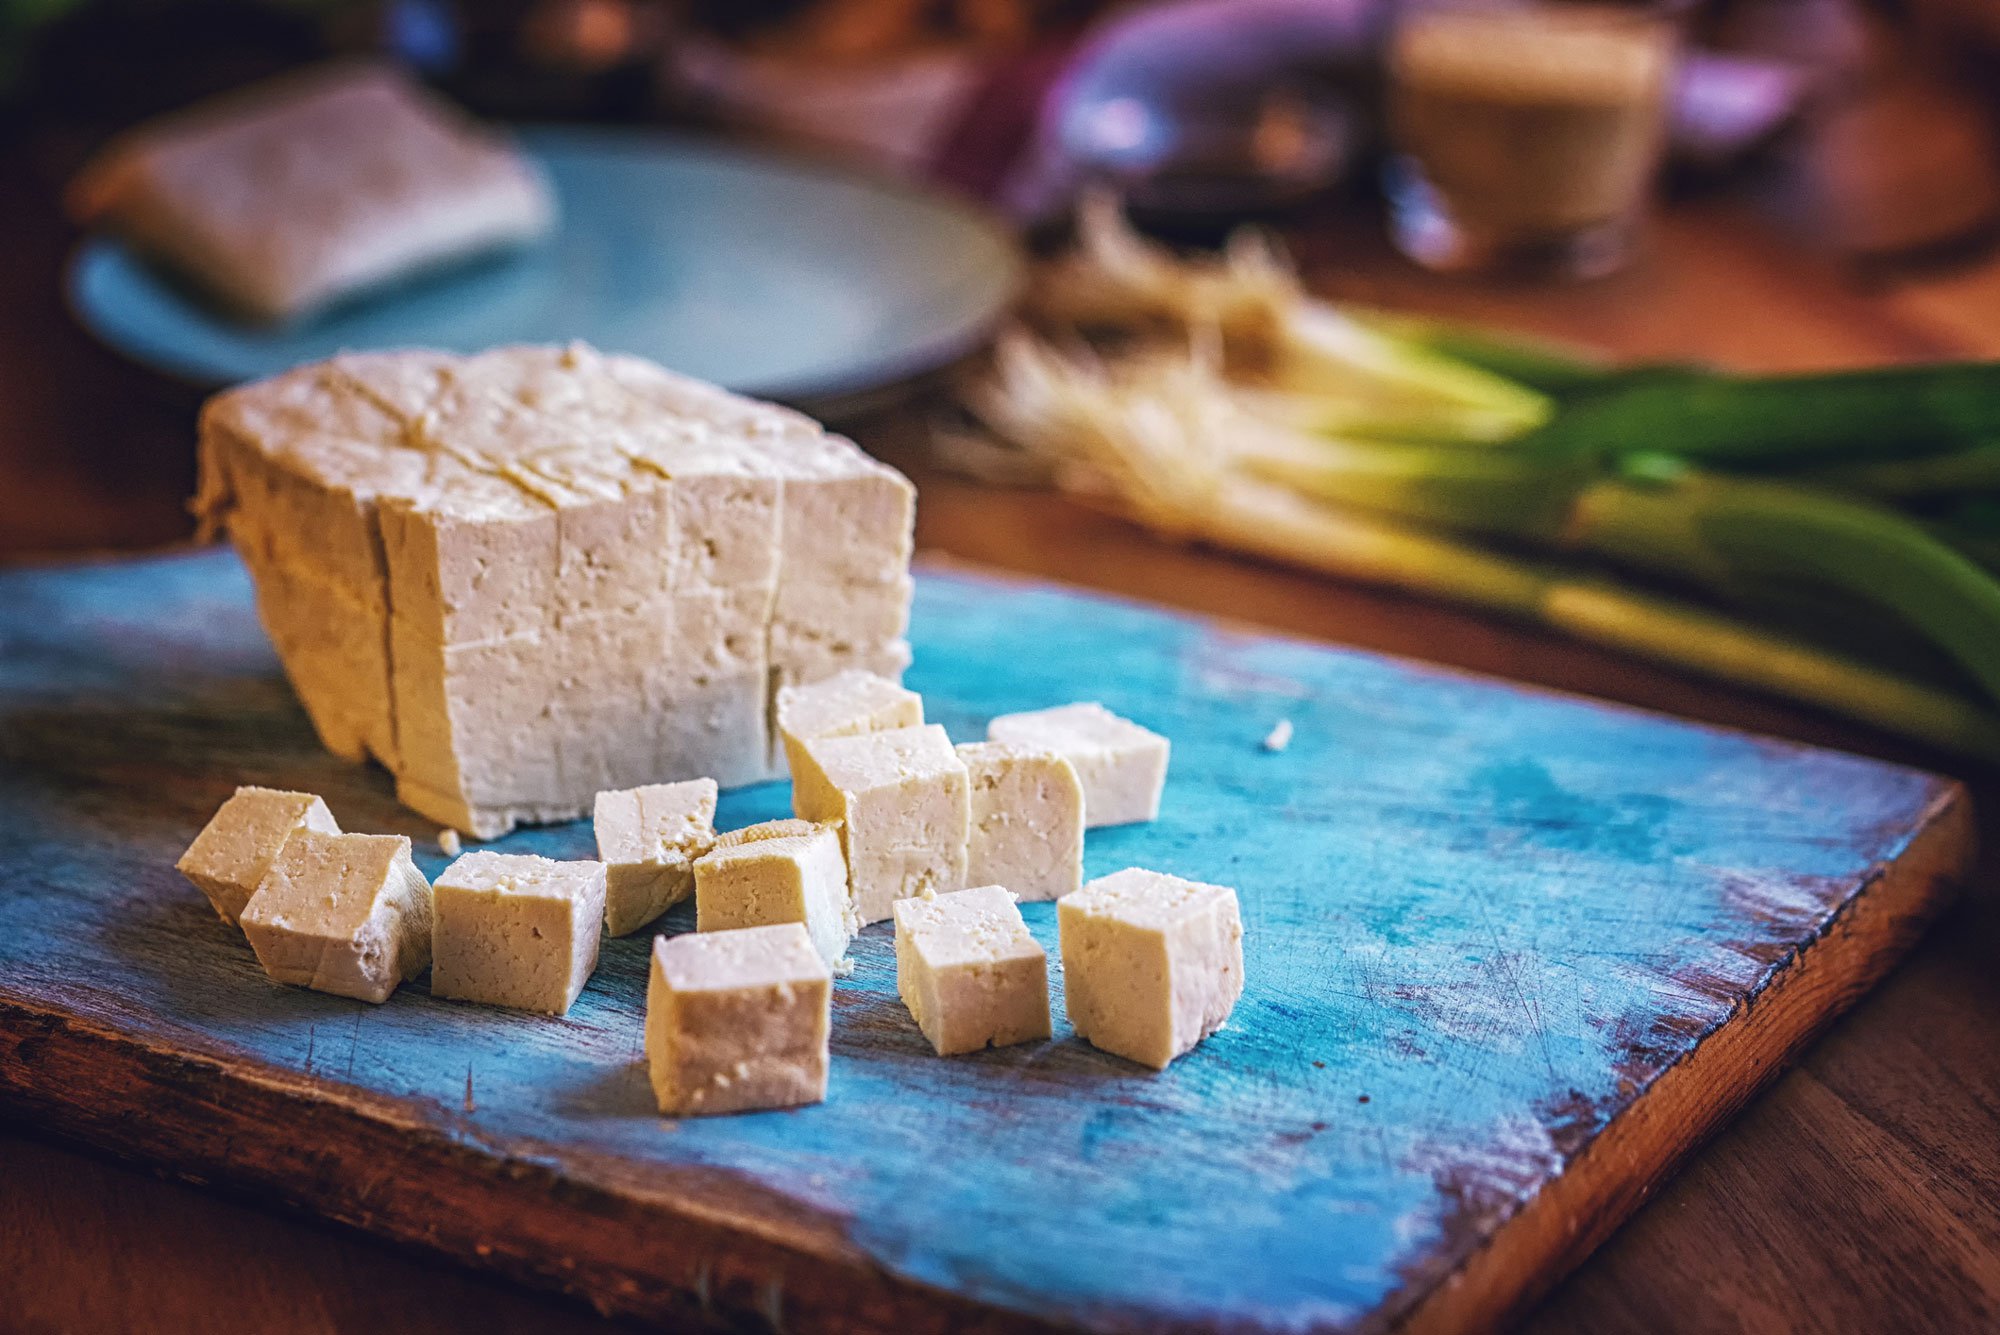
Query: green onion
{"points": [[1271, 521], [1714, 528], [1953, 474], [1784, 421], [1318, 352], [1234, 408], [1664, 518], [1551, 367]]}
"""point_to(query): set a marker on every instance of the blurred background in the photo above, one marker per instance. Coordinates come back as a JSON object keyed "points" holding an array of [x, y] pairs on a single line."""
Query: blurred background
{"points": [[1754, 186], [1875, 120], [1859, 132]]}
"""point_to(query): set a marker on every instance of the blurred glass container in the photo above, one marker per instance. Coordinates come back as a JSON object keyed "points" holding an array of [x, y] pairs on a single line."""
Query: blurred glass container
{"points": [[1215, 108], [1526, 137]]}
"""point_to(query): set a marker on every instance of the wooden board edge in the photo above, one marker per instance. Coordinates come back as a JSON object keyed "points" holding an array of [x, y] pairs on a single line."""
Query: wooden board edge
{"points": [[633, 1252], [1573, 1213]]}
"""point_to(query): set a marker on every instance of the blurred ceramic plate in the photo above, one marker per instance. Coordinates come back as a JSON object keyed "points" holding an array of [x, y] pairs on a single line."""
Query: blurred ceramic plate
{"points": [[769, 275]]}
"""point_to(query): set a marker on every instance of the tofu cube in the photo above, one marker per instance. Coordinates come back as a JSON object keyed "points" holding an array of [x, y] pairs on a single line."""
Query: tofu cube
{"points": [[516, 930], [1122, 765], [348, 914], [904, 805], [648, 839], [1027, 820], [1152, 964], [229, 857], [842, 705], [737, 1020], [799, 878], [969, 972]]}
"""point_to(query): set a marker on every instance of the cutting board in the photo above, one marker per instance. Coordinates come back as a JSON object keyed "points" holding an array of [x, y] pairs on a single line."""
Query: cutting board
{"points": [[1510, 956]]}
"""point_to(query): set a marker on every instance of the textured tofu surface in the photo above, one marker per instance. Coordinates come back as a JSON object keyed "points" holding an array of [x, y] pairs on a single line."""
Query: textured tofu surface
{"points": [[1027, 817], [771, 829], [1152, 964], [648, 839], [289, 194], [343, 913], [1122, 765], [737, 1020], [850, 701], [904, 805], [516, 930], [762, 882], [521, 578], [969, 971], [229, 857]]}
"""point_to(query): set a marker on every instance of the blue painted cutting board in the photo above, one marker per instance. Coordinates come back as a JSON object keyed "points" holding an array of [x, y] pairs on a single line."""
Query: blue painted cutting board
{"points": [[1509, 956]]}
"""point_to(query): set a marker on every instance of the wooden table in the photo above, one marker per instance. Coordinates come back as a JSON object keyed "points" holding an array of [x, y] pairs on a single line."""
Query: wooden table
{"points": [[1861, 1193]]}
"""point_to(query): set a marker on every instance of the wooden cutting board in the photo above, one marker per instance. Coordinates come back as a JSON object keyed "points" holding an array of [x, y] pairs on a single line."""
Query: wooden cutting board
{"points": [[1510, 956]]}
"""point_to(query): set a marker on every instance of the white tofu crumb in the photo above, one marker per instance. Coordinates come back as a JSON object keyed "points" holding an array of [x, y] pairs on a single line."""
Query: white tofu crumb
{"points": [[1280, 735], [844, 967], [449, 843]]}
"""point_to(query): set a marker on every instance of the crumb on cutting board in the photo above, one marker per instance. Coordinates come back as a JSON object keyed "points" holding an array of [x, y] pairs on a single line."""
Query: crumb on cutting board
{"points": [[1280, 735], [449, 843]]}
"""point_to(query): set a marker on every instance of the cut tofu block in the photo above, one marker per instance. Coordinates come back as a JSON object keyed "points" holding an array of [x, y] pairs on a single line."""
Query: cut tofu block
{"points": [[521, 578], [343, 913], [516, 930], [1152, 964], [648, 839], [342, 660], [1122, 765], [969, 971], [293, 193], [903, 802], [799, 878], [737, 1020], [772, 829], [1027, 820], [228, 859], [848, 702]]}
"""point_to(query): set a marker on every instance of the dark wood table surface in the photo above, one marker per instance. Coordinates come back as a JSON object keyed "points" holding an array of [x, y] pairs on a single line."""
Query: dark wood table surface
{"points": [[1860, 1193]]}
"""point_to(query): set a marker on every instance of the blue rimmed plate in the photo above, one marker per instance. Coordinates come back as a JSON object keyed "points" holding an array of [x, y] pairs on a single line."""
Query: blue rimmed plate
{"points": [[771, 275]]}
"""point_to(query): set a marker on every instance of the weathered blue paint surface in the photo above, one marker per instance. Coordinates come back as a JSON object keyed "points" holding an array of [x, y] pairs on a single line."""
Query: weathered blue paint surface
{"points": [[1478, 921]]}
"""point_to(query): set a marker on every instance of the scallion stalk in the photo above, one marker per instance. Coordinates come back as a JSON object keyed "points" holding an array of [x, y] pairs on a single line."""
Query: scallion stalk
{"points": [[1770, 422], [1272, 521], [1953, 474]]}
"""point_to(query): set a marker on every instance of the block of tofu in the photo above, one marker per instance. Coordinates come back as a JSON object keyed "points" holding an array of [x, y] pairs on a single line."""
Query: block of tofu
{"points": [[799, 878], [849, 702], [1027, 820], [648, 839], [229, 857], [904, 805], [840, 591], [343, 913], [969, 971], [291, 194], [737, 1020], [1122, 765], [772, 829], [1152, 964], [516, 930], [521, 578]]}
